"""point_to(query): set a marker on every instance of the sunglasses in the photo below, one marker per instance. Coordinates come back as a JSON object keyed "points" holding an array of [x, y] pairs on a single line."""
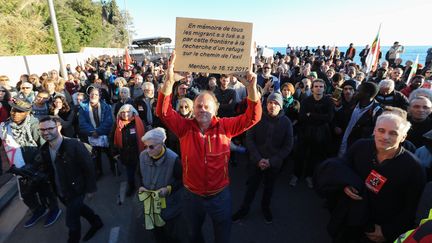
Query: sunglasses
{"points": [[151, 147], [1, 90], [25, 87], [266, 67]]}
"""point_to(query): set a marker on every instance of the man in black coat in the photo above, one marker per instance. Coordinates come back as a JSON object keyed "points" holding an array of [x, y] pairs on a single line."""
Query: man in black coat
{"points": [[316, 113], [70, 169], [269, 143]]}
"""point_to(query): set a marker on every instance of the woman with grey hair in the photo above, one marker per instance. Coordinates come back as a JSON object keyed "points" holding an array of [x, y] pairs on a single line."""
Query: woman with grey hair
{"points": [[161, 186], [126, 136], [124, 94]]}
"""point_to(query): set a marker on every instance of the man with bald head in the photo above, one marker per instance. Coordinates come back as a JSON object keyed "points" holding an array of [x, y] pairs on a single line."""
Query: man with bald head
{"points": [[419, 111], [205, 151]]}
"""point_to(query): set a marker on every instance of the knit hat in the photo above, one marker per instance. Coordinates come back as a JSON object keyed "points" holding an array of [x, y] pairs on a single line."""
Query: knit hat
{"points": [[351, 83], [314, 74], [276, 96], [370, 88], [20, 104], [157, 134]]}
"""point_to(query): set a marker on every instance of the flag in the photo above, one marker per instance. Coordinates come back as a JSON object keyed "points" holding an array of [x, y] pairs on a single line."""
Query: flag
{"points": [[333, 49], [374, 51], [127, 59], [413, 70]]}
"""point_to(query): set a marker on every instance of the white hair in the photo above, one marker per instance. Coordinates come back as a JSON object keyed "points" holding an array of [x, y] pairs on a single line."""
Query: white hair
{"points": [[127, 106], [125, 89], [147, 85], [421, 92], [387, 83], [404, 125], [157, 134]]}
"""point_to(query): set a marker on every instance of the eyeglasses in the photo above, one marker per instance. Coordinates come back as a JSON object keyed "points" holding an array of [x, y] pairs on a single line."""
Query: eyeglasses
{"points": [[46, 129], [266, 67], [1, 90], [25, 87]]}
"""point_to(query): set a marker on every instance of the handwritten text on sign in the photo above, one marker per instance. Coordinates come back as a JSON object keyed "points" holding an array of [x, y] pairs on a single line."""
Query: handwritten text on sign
{"points": [[212, 46]]}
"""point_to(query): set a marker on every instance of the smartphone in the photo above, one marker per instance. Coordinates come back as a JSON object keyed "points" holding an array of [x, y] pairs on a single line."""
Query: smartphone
{"points": [[337, 93]]}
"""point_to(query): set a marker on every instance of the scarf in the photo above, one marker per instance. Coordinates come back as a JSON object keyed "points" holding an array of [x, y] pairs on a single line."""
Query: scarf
{"points": [[22, 133], [118, 135], [287, 102], [92, 120]]}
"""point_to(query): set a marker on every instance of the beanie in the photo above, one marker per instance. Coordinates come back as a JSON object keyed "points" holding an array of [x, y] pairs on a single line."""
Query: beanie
{"points": [[276, 96]]}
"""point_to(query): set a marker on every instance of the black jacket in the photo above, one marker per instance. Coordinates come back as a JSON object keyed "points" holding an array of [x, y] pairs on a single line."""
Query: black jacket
{"points": [[395, 99], [74, 166], [365, 124], [394, 202], [271, 138]]}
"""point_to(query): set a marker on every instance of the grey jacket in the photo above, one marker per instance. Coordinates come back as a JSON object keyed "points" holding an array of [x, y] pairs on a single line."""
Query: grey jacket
{"points": [[162, 172]]}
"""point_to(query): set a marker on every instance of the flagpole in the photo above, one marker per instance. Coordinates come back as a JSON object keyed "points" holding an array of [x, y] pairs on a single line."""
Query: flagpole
{"points": [[57, 39], [373, 54]]}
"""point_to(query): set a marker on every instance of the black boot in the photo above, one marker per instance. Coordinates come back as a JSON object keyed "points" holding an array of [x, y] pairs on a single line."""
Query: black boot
{"points": [[74, 236], [240, 214], [96, 225]]}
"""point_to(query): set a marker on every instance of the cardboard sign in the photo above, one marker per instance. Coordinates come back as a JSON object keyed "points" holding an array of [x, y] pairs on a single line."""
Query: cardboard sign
{"points": [[212, 46]]}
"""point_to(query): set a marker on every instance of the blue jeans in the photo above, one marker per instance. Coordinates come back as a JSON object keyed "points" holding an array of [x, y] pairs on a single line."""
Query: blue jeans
{"points": [[218, 207]]}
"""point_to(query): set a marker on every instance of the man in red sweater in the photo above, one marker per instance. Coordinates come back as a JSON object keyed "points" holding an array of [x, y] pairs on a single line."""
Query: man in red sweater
{"points": [[205, 151]]}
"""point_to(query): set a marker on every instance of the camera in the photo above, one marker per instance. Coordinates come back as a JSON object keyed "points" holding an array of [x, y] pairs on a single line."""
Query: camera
{"points": [[301, 85], [29, 173]]}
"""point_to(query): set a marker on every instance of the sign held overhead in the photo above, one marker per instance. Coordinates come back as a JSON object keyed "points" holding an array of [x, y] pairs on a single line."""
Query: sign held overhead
{"points": [[212, 46]]}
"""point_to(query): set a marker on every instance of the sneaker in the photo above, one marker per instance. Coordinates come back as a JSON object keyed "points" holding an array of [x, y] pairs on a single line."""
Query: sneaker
{"points": [[239, 215], [93, 229], [268, 217], [35, 217], [309, 182], [293, 181], [52, 217]]}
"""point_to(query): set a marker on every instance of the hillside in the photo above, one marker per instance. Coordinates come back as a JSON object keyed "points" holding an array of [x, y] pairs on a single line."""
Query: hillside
{"points": [[25, 26]]}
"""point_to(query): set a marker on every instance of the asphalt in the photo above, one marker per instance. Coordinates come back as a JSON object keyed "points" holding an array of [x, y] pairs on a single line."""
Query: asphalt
{"points": [[298, 215]]}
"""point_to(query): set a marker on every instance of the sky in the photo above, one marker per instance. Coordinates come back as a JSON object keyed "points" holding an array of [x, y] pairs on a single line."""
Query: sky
{"points": [[277, 23]]}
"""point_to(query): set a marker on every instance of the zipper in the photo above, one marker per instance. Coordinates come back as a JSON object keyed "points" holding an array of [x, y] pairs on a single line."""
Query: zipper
{"points": [[209, 142], [225, 167], [205, 166]]}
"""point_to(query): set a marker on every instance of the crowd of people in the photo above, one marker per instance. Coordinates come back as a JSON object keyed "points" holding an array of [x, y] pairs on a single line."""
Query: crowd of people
{"points": [[362, 140]]}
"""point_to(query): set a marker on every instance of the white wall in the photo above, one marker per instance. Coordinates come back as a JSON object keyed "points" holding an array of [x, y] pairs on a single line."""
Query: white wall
{"points": [[14, 66]]}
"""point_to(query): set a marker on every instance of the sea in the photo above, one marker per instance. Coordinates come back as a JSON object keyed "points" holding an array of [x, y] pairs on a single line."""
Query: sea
{"points": [[410, 53]]}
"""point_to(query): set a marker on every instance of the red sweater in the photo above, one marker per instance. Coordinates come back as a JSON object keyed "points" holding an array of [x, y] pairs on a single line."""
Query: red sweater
{"points": [[205, 156]]}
